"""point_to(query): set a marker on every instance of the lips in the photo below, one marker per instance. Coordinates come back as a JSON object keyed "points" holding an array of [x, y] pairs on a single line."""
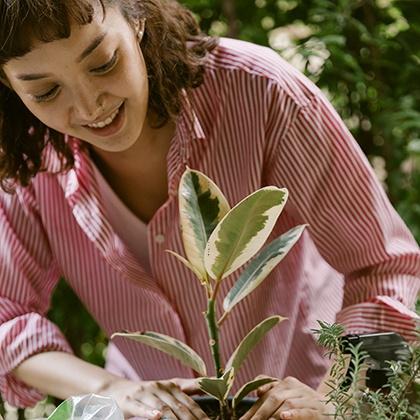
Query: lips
{"points": [[113, 127]]}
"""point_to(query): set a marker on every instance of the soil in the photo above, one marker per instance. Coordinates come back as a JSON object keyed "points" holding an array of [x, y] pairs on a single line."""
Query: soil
{"points": [[211, 407]]}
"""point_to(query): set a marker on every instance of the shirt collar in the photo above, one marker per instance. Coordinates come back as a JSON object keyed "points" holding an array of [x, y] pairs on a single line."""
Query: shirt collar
{"points": [[190, 116]]}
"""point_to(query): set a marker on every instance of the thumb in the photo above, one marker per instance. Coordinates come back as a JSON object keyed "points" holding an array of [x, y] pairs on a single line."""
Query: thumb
{"points": [[264, 388], [189, 386]]}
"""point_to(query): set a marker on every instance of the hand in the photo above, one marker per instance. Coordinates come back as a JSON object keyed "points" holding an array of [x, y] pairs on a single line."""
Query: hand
{"points": [[154, 400], [288, 399], [189, 386]]}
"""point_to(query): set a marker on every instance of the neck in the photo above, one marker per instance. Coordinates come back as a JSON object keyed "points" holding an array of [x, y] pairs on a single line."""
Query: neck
{"points": [[151, 147]]}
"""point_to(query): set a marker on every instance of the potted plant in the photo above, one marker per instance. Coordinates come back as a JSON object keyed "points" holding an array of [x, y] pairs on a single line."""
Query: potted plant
{"points": [[217, 241]]}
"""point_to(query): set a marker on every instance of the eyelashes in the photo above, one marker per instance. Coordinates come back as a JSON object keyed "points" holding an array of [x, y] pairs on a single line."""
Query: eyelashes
{"points": [[99, 71], [46, 96], [107, 67]]}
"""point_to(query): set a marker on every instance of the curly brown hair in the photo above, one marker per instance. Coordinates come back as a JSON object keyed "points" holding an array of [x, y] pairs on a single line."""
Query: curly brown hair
{"points": [[172, 65]]}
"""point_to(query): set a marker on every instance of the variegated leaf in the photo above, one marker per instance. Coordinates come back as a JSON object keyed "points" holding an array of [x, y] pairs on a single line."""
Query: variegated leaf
{"points": [[248, 388], [251, 340], [243, 231], [187, 264], [261, 266], [218, 387], [169, 345], [201, 206]]}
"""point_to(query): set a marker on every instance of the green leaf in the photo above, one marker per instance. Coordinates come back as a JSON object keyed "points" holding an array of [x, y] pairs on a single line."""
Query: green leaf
{"points": [[169, 345], [251, 340], [243, 231], [63, 411], [248, 388], [201, 206], [218, 387], [261, 266]]}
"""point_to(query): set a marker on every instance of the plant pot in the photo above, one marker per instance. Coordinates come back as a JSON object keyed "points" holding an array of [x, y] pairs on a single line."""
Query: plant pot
{"points": [[211, 407]]}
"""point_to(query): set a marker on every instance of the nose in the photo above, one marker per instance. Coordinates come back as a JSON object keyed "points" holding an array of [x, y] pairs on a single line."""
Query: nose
{"points": [[87, 105]]}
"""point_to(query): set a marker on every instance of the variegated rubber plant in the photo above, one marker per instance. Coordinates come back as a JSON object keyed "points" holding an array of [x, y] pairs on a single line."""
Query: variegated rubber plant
{"points": [[217, 241]]}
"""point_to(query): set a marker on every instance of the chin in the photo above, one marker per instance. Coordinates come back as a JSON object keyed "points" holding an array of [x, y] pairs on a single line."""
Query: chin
{"points": [[114, 147]]}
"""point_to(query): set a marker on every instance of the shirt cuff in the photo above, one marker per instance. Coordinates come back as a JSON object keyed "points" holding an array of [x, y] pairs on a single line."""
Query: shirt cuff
{"points": [[21, 338], [380, 314]]}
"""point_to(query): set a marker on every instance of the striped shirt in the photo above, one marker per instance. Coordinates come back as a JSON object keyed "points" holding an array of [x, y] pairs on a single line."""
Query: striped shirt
{"points": [[255, 121]]}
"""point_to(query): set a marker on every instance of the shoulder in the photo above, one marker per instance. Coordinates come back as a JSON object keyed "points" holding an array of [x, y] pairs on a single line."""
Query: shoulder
{"points": [[255, 64]]}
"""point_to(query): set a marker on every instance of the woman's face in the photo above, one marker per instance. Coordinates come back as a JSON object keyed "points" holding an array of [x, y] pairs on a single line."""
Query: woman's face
{"points": [[92, 85]]}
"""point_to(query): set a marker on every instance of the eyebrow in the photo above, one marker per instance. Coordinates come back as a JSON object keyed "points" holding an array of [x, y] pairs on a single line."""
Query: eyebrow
{"points": [[32, 76], [86, 52], [91, 47]]}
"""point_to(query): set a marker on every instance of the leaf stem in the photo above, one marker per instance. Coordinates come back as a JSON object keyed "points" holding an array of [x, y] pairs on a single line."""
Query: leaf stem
{"points": [[213, 331], [222, 319]]}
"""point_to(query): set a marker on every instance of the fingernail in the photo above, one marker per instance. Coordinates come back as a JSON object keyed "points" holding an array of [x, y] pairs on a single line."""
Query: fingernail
{"points": [[286, 415]]}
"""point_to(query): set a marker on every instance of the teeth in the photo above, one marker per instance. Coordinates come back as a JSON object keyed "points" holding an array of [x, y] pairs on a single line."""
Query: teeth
{"points": [[102, 124]]}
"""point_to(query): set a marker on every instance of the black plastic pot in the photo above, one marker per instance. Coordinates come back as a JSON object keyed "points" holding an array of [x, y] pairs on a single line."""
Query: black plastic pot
{"points": [[211, 406]]}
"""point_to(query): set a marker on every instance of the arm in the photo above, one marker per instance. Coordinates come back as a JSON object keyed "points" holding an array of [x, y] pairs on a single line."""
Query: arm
{"points": [[28, 275], [63, 375], [333, 188], [36, 358]]}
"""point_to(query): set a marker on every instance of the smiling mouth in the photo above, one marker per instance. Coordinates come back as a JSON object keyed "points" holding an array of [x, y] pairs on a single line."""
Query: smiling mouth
{"points": [[110, 125], [107, 121]]}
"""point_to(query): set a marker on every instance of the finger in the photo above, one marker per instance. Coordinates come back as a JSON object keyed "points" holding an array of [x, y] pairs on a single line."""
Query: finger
{"points": [[189, 386], [183, 406], [269, 406], [155, 403], [265, 388], [140, 410], [301, 402], [301, 414], [191, 404], [248, 415], [264, 407], [187, 401], [280, 384]]}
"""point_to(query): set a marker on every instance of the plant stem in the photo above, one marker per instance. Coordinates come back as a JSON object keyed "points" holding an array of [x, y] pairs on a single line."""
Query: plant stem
{"points": [[214, 336], [222, 410], [404, 392]]}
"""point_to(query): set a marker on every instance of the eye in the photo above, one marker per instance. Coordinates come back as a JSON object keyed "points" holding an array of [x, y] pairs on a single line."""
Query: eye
{"points": [[51, 94], [107, 67]]}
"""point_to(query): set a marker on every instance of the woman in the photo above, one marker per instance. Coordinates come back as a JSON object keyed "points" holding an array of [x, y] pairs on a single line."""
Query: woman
{"points": [[103, 104]]}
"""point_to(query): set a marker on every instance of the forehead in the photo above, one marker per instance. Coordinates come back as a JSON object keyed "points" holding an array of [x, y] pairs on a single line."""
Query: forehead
{"points": [[81, 37], [23, 21], [26, 24]]}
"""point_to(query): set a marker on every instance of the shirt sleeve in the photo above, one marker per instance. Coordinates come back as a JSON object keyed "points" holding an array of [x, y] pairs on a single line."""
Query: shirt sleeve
{"points": [[28, 276], [334, 189]]}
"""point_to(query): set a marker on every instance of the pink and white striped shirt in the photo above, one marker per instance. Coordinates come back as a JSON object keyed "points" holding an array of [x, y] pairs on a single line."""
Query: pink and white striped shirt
{"points": [[254, 121]]}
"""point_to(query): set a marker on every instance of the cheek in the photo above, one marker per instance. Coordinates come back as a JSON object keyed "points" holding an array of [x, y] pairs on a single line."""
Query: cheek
{"points": [[134, 76], [51, 116]]}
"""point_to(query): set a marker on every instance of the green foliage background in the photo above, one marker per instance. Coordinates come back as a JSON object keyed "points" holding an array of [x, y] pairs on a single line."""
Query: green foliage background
{"points": [[365, 54], [370, 55]]}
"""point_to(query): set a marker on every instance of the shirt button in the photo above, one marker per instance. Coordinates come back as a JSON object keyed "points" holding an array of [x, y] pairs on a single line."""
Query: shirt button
{"points": [[160, 239]]}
